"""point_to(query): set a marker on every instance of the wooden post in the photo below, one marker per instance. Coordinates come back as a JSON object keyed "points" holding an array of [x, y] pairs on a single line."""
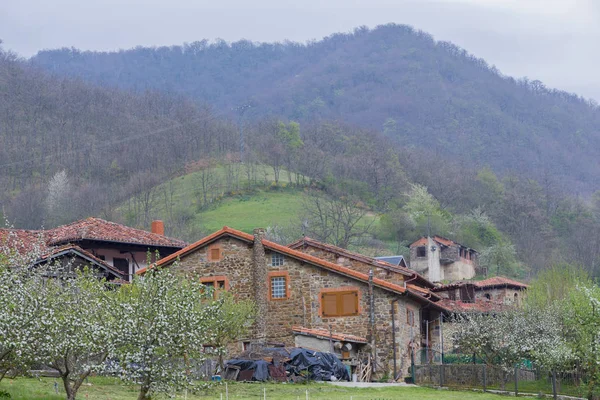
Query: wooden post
{"points": [[516, 380], [554, 391], [441, 374], [484, 378]]}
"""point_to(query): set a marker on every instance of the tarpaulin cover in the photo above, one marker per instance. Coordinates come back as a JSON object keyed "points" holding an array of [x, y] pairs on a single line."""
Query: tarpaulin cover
{"points": [[261, 372], [320, 366]]}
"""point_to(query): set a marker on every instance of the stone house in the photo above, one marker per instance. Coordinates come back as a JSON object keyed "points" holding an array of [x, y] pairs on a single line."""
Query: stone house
{"points": [[306, 300], [440, 259], [497, 290], [116, 251]]}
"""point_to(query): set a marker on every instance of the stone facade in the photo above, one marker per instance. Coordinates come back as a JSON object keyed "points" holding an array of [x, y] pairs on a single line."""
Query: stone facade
{"points": [[442, 260], [241, 262], [353, 263]]}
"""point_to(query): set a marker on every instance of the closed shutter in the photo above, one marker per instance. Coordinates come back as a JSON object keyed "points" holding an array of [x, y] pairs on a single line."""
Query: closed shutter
{"points": [[349, 303], [329, 301], [215, 254]]}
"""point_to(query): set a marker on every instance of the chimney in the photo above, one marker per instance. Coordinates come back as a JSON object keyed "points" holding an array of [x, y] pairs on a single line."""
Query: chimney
{"points": [[261, 288], [158, 227]]}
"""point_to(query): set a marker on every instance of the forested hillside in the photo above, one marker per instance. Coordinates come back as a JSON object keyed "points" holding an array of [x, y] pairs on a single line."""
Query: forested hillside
{"points": [[422, 93], [69, 149]]}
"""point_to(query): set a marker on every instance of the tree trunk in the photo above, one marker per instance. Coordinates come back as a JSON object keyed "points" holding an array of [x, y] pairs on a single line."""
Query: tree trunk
{"points": [[144, 389], [68, 389]]}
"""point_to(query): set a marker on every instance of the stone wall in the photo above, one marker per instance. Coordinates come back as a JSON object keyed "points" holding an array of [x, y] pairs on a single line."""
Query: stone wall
{"points": [[502, 295], [354, 264], [302, 305]]}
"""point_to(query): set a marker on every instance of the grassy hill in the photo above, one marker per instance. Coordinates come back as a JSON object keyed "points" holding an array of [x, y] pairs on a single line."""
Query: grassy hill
{"points": [[242, 205], [422, 92]]}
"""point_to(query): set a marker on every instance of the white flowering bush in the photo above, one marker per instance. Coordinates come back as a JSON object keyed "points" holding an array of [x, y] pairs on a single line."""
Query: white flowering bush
{"points": [[583, 320], [21, 310], [164, 323]]}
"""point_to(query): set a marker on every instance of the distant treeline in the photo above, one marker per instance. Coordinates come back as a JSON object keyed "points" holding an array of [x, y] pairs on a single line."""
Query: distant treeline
{"points": [[69, 149], [421, 92]]}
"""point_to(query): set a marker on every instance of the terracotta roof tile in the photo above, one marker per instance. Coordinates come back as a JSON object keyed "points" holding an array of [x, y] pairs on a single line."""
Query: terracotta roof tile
{"points": [[479, 306], [495, 281], [440, 240], [86, 229], [23, 240], [324, 334], [101, 230], [499, 281], [281, 249], [359, 257]]}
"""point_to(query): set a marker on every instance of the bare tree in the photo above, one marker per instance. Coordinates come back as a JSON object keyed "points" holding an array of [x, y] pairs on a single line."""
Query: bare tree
{"points": [[339, 220]]}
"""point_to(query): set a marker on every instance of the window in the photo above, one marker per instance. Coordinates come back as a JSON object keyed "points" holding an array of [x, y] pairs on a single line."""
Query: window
{"points": [[339, 303], [277, 259], [467, 293], [488, 297], [452, 294], [410, 317], [216, 284], [215, 253], [278, 285], [122, 264], [421, 251]]}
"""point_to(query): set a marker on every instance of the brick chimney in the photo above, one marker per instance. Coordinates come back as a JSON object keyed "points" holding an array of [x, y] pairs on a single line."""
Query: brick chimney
{"points": [[158, 227], [261, 288]]}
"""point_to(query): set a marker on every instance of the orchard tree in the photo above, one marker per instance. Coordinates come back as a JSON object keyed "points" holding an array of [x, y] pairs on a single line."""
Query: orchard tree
{"points": [[21, 310], [235, 318], [165, 322], [78, 325]]}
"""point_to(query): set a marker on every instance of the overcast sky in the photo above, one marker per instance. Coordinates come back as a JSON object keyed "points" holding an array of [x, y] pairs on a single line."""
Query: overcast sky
{"points": [[556, 41]]}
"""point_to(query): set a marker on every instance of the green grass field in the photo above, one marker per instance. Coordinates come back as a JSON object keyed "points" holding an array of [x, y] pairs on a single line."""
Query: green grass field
{"points": [[262, 209], [112, 389]]}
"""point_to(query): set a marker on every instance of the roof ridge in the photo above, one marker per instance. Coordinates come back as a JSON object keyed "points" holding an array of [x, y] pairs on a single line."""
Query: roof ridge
{"points": [[281, 248]]}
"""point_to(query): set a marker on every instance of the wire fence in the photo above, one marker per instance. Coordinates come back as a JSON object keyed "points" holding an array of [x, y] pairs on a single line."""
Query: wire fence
{"points": [[462, 371]]}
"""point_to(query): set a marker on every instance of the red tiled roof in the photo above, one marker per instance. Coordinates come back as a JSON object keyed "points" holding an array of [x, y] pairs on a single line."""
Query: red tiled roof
{"points": [[359, 257], [422, 291], [495, 281], [440, 240], [281, 249], [86, 229], [98, 229], [324, 334], [479, 305], [23, 240], [499, 281]]}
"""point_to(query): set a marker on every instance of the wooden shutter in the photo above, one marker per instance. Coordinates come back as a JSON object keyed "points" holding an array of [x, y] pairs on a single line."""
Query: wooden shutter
{"points": [[349, 303], [215, 254], [329, 304]]}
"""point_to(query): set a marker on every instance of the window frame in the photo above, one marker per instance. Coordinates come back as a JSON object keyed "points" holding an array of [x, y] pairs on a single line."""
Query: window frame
{"points": [[339, 292], [280, 257], [214, 280], [278, 274], [419, 248], [209, 255]]}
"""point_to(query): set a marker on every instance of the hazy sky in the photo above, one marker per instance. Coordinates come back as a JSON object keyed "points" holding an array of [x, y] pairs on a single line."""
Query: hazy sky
{"points": [[556, 41]]}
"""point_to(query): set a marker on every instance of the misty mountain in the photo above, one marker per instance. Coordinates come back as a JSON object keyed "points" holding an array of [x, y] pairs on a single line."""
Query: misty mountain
{"points": [[424, 93]]}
